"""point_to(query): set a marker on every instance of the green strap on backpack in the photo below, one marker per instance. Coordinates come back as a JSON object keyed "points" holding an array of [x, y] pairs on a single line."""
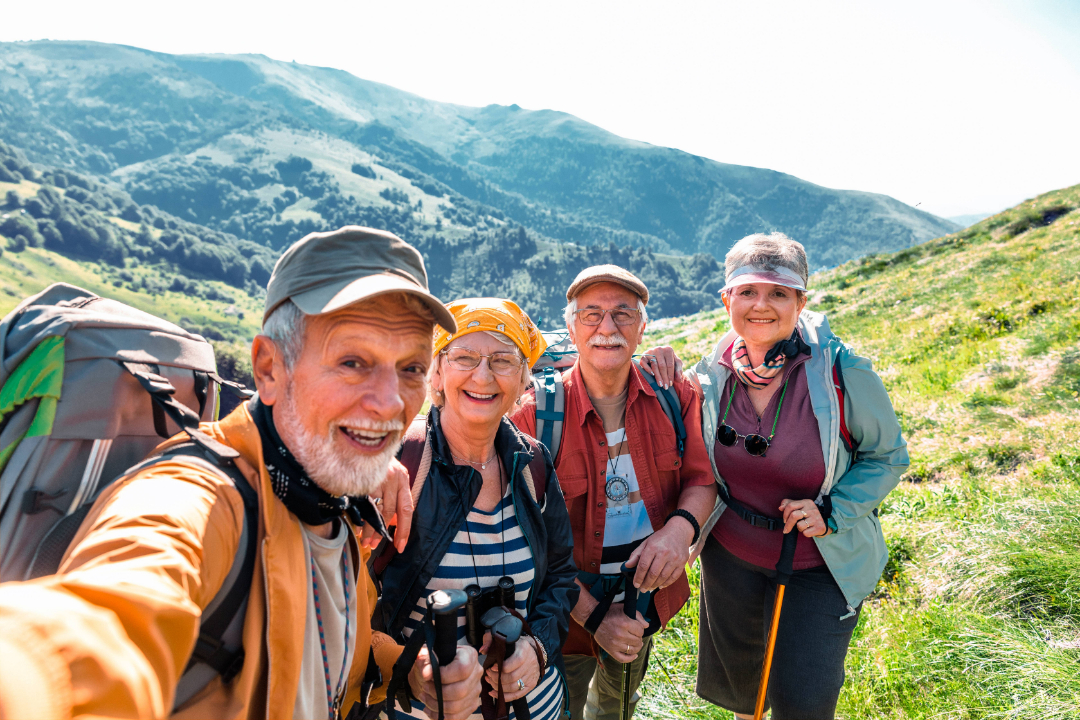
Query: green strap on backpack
{"points": [[40, 375]]}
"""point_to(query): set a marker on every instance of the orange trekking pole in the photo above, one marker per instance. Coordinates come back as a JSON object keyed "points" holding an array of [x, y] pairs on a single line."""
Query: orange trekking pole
{"points": [[783, 576]]}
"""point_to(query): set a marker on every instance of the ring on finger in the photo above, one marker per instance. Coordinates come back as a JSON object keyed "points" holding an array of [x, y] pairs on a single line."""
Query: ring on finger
{"points": [[521, 684]]}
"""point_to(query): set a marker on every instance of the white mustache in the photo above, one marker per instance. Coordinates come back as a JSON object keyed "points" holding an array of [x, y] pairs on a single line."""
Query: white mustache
{"points": [[607, 340]]}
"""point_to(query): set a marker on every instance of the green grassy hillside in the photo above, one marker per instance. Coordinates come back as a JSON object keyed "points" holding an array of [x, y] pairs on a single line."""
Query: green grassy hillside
{"points": [[977, 338]]}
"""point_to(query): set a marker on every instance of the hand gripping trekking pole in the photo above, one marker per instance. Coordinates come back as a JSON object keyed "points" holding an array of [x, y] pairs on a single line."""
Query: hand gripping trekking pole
{"points": [[630, 609], [505, 632], [783, 576], [444, 606]]}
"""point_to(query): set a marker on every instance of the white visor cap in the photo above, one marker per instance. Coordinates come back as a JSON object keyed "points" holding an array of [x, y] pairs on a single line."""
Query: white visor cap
{"points": [[749, 274]]}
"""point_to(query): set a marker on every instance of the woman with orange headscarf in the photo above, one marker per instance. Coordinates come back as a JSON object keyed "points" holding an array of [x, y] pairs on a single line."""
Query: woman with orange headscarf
{"points": [[490, 518]]}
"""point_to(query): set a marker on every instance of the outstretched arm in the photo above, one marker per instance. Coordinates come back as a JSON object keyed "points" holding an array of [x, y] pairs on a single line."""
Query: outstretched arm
{"points": [[111, 633]]}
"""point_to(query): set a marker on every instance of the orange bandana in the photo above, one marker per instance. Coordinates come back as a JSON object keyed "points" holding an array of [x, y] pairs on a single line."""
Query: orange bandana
{"points": [[493, 315]]}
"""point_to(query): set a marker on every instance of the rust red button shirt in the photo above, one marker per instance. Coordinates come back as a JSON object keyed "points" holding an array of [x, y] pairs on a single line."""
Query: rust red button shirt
{"points": [[581, 467]]}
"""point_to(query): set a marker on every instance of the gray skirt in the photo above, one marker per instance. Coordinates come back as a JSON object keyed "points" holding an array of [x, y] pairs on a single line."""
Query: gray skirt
{"points": [[811, 644]]}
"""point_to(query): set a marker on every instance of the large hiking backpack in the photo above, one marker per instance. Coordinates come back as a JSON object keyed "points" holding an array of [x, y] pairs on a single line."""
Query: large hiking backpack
{"points": [[88, 388], [551, 395]]}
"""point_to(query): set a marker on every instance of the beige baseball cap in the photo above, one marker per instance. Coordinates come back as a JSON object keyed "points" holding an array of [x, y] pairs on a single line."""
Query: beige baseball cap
{"points": [[324, 272], [608, 273]]}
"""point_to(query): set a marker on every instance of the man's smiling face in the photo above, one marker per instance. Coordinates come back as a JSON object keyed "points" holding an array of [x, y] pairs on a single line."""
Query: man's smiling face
{"points": [[606, 347], [358, 382]]}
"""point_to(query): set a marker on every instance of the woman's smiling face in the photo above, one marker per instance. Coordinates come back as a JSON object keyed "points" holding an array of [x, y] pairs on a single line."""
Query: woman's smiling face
{"points": [[478, 395], [763, 314]]}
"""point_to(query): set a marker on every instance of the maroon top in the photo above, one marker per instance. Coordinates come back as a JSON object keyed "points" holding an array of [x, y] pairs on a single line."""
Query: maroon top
{"points": [[793, 467]]}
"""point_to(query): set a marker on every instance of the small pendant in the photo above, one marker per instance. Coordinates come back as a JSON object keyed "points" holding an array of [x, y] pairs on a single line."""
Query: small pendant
{"points": [[483, 466]]}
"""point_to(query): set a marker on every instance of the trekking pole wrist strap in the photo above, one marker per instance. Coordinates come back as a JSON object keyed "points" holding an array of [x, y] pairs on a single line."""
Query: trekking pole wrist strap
{"points": [[688, 517]]}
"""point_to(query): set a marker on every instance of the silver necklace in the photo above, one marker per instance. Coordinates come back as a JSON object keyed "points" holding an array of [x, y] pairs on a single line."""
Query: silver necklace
{"points": [[483, 465]]}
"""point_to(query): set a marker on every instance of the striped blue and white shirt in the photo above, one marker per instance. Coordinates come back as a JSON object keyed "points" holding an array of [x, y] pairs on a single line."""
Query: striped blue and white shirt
{"points": [[498, 548]]}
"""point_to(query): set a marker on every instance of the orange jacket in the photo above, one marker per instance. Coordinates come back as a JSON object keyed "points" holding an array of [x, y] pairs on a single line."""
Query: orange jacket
{"points": [[111, 634]]}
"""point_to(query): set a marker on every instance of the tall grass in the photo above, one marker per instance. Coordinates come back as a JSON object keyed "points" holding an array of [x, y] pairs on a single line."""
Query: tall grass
{"points": [[977, 337]]}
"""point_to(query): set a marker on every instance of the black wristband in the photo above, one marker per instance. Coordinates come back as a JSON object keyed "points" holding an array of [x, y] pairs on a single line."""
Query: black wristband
{"points": [[689, 517]]}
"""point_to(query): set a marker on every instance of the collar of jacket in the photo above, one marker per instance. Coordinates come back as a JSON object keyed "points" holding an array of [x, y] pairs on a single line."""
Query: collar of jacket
{"points": [[575, 387]]}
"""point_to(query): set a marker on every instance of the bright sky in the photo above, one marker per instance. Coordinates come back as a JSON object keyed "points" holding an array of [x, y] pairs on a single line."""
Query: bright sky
{"points": [[960, 106]]}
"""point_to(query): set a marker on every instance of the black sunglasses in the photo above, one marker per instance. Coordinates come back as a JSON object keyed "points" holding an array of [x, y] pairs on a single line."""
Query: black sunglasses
{"points": [[756, 445]]}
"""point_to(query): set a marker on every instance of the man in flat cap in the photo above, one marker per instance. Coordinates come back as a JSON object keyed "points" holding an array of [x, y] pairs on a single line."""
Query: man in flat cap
{"points": [[340, 370], [635, 498]]}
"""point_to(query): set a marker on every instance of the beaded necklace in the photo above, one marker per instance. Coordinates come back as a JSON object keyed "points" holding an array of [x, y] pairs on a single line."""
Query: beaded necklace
{"points": [[333, 700]]}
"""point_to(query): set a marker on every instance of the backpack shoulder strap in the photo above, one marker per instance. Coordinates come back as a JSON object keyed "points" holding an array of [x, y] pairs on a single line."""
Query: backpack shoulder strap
{"points": [[841, 394], [535, 473], [669, 401], [412, 447], [211, 649], [550, 408], [415, 455]]}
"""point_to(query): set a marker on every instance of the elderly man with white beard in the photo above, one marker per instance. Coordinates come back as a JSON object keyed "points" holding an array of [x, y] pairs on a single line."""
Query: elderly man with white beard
{"points": [[340, 370]]}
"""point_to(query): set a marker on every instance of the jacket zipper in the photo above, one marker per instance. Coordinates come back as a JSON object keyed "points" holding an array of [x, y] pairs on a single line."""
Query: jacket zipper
{"points": [[517, 511]]}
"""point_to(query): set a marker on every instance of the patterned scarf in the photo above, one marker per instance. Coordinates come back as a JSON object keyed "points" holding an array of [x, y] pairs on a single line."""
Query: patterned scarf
{"points": [[291, 484], [760, 376]]}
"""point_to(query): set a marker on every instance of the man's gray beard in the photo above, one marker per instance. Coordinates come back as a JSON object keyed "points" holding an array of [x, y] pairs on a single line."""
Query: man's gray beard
{"points": [[337, 475]]}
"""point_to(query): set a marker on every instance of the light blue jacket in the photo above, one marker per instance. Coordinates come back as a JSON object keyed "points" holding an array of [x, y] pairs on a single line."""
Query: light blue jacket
{"points": [[855, 552]]}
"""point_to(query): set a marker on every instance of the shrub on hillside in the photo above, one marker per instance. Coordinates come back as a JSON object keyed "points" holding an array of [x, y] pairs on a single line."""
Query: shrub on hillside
{"points": [[17, 244], [291, 169], [364, 170], [19, 223]]}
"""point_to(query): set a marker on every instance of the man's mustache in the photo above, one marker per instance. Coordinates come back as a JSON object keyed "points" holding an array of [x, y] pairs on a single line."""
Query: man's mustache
{"points": [[607, 340]]}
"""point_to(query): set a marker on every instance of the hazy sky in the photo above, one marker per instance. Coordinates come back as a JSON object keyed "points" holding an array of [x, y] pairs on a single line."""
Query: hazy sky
{"points": [[960, 106]]}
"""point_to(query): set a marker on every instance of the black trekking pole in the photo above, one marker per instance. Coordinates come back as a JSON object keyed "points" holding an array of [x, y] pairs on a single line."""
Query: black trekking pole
{"points": [[783, 576], [630, 609], [444, 606]]}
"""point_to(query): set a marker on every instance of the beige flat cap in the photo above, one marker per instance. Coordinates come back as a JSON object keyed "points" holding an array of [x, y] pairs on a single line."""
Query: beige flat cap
{"points": [[325, 272], [608, 273]]}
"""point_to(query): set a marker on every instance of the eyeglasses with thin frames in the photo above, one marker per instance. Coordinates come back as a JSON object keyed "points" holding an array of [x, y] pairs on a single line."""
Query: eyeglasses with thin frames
{"points": [[756, 445], [620, 316], [501, 363]]}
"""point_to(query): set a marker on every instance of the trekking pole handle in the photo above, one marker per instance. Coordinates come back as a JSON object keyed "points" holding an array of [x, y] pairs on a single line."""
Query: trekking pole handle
{"points": [[444, 606], [787, 557]]}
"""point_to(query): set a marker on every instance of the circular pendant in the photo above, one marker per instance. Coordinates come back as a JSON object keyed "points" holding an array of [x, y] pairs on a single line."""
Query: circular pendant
{"points": [[617, 488]]}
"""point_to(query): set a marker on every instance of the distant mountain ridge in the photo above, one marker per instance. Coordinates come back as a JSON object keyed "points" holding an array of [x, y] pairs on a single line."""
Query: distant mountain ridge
{"points": [[212, 138]]}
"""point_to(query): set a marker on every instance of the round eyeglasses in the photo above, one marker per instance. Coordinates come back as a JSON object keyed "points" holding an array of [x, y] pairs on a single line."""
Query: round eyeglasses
{"points": [[501, 363], [620, 316]]}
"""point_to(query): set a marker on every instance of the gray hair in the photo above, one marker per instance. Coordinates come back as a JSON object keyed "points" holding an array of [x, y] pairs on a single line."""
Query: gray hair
{"points": [[571, 308], [769, 252], [287, 324]]}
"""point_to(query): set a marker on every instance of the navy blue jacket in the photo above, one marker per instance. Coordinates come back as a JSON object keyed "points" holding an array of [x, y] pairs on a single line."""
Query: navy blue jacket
{"points": [[439, 514]]}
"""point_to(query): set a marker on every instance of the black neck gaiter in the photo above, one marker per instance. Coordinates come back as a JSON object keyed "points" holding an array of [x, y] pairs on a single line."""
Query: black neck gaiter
{"points": [[791, 348], [300, 494]]}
